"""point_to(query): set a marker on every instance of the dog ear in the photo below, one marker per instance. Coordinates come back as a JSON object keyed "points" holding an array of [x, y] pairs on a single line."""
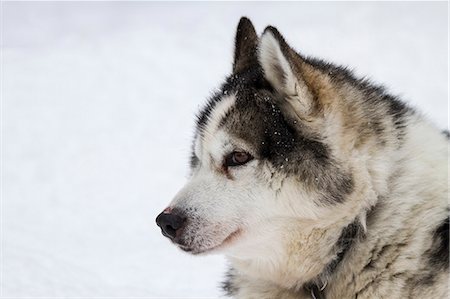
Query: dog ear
{"points": [[246, 43], [283, 68]]}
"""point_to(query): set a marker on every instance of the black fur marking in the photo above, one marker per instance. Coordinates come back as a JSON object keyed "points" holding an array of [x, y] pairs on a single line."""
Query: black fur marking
{"points": [[205, 112], [354, 231], [194, 161], [398, 111], [228, 285], [436, 258], [446, 133], [439, 256], [349, 235]]}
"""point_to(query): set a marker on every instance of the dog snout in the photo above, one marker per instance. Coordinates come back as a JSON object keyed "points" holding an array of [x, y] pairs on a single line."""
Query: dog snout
{"points": [[170, 223]]}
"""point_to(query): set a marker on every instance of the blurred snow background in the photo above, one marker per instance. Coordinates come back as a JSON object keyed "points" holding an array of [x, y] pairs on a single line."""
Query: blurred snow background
{"points": [[98, 105]]}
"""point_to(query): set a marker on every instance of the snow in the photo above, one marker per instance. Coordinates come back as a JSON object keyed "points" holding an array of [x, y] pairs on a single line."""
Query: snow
{"points": [[98, 105]]}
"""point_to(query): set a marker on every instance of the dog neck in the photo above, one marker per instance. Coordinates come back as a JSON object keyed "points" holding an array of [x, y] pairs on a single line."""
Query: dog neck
{"points": [[307, 260], [349, 235]]}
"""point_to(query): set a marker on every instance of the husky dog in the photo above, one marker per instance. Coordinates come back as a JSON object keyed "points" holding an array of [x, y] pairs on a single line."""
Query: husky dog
{"points": [[314, 183]]}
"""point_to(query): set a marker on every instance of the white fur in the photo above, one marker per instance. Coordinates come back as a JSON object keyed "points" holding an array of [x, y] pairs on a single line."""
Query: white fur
{"points": [[216, 115], [279, 73]]}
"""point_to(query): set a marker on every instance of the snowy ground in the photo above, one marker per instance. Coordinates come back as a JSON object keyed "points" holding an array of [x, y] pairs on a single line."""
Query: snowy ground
{"points": [[98, 105]]}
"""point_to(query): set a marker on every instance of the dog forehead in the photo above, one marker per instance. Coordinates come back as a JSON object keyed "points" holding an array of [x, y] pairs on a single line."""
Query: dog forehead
{"points": [[221, 131], [237, 89], [216, 115], [213, 142], [209, 137], [240, 118]]}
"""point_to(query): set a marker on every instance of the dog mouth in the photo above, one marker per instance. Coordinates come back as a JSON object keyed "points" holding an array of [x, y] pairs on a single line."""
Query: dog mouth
{"points": [[224, 243]]}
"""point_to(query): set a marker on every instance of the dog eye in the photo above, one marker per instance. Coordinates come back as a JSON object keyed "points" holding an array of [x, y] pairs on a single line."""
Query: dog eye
{"points": [[237, 158]]}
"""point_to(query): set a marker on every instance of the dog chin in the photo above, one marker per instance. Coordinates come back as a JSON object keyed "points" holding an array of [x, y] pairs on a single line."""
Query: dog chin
{"points": [[198, 250]]}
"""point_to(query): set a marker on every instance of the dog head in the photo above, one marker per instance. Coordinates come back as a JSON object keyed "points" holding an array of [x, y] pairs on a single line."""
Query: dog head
{"points": [[272, 148]]}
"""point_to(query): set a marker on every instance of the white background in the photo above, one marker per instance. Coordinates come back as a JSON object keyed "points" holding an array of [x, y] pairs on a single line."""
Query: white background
{"points": [[98, 106]]}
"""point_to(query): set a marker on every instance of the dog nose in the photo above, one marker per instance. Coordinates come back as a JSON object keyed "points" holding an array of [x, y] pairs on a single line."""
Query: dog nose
{"points": [[169, 224]]}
